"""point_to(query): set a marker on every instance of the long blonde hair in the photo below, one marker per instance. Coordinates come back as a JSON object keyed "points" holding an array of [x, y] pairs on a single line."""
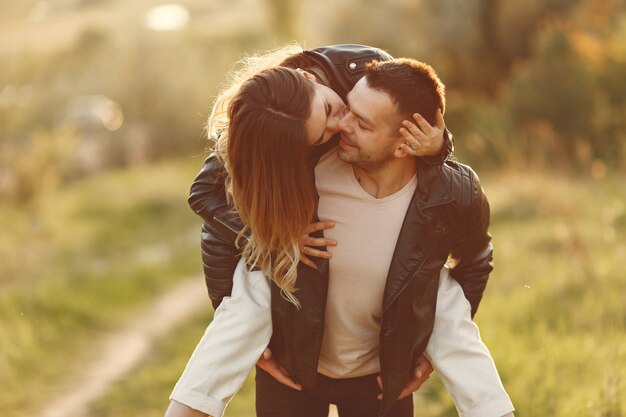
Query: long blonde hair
{"points": [[262, 140]]}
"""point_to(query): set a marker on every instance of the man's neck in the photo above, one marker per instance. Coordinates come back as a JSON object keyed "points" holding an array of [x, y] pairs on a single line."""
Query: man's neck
{"points": [[386, 180]]}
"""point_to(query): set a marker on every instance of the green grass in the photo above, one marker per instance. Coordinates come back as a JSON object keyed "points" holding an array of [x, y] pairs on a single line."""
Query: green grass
{"points": [[555, 312], [152, 383], [145, 392], [553, 316], [78, 261]]}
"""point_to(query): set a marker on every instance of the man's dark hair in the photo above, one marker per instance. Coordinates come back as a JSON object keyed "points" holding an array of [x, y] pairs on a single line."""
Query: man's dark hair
{"points": [[413, 86]]}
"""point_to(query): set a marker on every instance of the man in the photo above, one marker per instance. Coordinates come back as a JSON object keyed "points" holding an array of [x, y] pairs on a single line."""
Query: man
{"points": [[397, 220]]}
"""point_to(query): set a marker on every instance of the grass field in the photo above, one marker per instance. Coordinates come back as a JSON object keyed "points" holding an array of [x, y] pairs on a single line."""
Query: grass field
{"points": [[553, 316], [77, 262]]}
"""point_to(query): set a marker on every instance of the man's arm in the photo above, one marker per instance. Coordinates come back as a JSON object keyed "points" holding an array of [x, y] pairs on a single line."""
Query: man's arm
{"points": [[472, 250]]}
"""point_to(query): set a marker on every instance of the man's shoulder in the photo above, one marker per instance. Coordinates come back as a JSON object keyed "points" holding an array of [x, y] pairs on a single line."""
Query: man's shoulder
{"points": [[463, 182], [459, 171]]}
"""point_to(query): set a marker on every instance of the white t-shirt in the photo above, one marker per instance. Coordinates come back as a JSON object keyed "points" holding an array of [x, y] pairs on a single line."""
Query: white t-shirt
{"points": [[366, 229]]}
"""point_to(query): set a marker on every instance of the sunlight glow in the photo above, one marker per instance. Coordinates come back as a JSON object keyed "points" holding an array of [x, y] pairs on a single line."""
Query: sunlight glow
{"points": [[166, 17]]}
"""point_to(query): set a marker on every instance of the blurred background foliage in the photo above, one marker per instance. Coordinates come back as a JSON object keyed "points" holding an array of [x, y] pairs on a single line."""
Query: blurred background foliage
{"points": [[102, 110], [532, 83], [88, 84]]}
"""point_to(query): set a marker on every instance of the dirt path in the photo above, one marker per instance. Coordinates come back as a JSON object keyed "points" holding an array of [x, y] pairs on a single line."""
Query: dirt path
{"points": [[124, 348], [121, 350]]}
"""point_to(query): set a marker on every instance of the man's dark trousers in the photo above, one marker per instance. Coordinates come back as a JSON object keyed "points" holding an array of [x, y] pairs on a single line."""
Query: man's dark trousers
{"points": [[354, 397]]}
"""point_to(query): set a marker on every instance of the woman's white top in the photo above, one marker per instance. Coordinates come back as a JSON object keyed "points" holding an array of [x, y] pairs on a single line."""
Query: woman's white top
{"points": [[242, 327]]}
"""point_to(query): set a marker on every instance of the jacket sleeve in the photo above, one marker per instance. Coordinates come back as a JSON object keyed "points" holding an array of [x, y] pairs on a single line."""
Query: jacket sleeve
{"points": [[220, 254], [446, 150], [473, 251], [208, 192]]}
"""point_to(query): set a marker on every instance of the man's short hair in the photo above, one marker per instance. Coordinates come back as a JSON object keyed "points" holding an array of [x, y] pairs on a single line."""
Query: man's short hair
{"points": [[414, 86]]}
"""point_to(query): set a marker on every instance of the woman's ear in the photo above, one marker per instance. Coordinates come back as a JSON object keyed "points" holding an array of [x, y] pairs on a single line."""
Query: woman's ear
{"points": [[306, 74]]}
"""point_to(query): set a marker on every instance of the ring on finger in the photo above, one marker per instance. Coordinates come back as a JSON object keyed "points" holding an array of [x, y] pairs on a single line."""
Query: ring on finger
{"points": [[413, 147], [304, 248]]}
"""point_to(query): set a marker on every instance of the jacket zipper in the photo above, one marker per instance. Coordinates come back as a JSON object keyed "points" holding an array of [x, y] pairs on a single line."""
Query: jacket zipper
{"points": [[380, 348], [427, 257], [319, 346]]}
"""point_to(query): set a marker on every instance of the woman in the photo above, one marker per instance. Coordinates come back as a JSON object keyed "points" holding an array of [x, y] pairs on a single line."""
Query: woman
{"points": [[276, 216]]}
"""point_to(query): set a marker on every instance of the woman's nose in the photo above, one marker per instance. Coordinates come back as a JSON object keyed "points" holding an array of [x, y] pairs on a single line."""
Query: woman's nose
{"points": [[333, 124], [344, 122]]}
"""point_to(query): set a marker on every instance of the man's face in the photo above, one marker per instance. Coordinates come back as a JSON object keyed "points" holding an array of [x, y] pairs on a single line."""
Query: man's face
{"points": [[369, 135]]}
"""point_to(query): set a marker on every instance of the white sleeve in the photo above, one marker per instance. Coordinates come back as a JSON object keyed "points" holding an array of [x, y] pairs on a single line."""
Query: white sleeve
{"points": [[461, 359], [232, 344]]}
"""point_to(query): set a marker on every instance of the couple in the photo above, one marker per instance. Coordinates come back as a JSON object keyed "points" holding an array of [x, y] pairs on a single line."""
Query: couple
{"points": [[399, 273]]}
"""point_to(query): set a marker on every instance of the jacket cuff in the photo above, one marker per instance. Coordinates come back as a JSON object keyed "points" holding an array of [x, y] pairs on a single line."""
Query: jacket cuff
{"points": [[446, 150], [198, 401], [495, 408]]}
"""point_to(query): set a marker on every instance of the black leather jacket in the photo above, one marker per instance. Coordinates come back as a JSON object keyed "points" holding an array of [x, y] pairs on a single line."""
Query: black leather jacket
{"points": [[448, 215]]}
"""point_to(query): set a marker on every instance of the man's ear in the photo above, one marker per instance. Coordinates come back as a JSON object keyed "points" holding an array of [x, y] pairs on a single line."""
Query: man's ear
{"points": [[399, 151], [306, 74]]}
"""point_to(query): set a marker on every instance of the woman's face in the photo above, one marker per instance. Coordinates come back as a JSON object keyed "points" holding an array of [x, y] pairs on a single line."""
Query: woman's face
{"points": [[327, 109]]}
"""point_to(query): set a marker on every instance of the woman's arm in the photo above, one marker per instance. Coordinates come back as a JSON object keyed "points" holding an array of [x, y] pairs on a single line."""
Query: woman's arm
{"points": [[220, 255], [207, 196], [472, 250], [433, 144], [461, 359]]}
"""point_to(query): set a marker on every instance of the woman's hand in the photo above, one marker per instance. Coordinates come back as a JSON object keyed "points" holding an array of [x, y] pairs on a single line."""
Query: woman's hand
{"points": [[420, 138], [308, 243]]}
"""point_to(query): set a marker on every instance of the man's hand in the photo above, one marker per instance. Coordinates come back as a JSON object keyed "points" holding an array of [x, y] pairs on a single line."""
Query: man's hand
{"points": [[307, 243], [420, 374], [420, 138], [269, 365]]}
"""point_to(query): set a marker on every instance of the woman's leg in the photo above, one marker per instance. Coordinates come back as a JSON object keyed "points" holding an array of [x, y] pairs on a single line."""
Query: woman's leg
{"points": [[177, 409], [232, 344], [461, 359]]}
